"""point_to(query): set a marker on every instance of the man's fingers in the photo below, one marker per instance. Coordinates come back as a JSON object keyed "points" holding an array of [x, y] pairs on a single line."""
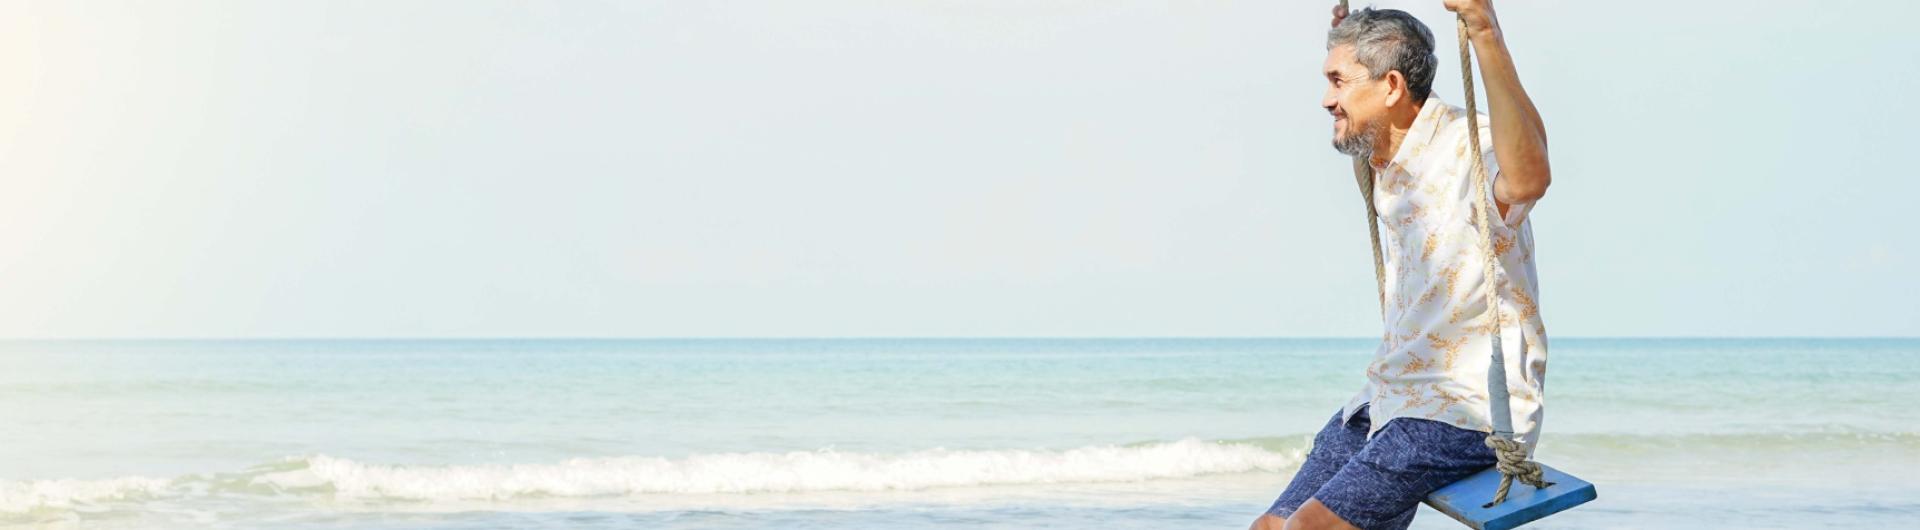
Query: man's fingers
{"points": [[1339, 14]]}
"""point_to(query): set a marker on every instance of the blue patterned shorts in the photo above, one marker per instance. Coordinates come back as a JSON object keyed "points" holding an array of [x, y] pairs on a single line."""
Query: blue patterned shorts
{"points": [[1378, 484]]}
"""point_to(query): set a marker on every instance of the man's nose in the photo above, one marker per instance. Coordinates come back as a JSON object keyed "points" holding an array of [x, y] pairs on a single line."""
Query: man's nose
{"points": [[1329, 101]]}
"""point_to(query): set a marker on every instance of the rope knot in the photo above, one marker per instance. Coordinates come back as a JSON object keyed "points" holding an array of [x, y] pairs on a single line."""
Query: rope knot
{"points": [[1513, 463]]}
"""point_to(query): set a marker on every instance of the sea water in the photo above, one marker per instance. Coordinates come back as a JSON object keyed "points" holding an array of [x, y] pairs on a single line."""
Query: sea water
{"points": [[895, 433]]}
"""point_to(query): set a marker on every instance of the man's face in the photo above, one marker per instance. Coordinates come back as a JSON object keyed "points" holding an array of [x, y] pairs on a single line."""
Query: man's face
{"points": [[1354, 98]]}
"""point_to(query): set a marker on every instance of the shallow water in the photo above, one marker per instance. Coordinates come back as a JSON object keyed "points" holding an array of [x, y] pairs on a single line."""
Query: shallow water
{"points": [[896, 433]]}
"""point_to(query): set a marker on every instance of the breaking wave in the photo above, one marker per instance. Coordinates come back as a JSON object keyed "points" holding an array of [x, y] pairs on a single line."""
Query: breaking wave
{"points": [[719, 473]]}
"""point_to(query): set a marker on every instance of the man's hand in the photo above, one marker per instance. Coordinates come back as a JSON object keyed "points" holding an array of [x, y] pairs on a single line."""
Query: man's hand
{"points": [[1479, 16], [1339, 13]]}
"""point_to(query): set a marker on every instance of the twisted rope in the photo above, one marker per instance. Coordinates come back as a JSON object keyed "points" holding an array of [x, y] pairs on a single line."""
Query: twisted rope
{"points": [[1363, 175], [1513, 462], [1513, 465]]}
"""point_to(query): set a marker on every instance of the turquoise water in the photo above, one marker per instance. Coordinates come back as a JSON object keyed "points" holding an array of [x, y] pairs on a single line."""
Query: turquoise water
{"points": [[894, 433]]}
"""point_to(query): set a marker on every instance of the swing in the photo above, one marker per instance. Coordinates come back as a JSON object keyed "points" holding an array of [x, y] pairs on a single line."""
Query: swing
{"points": [[1553, 491]]}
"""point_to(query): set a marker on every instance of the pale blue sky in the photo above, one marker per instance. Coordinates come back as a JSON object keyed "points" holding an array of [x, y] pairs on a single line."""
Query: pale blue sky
{"points": [[906, 168]]}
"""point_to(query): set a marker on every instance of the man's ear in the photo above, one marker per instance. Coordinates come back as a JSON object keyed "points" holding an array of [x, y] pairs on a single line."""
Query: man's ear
{"points": [[1396, 87]]}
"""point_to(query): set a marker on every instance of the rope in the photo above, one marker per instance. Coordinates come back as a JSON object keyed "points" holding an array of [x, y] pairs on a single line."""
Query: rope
{"points": [[1363, 175], [1513, 465], [1513, 462]]}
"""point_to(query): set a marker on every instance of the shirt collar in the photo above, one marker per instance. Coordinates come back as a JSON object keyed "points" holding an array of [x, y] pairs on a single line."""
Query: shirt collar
{"points": [[1433, 113]]}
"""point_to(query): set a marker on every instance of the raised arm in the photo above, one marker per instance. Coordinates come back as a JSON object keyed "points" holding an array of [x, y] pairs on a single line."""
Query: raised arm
{"points": [[1519, 137]]}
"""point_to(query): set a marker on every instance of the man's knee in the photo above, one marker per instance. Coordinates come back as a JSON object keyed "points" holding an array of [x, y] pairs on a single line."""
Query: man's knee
{"points": [[1269, 521], [1316, 516]]}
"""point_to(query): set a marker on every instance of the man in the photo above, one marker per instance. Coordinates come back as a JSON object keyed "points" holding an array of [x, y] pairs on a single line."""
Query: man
{"points": [[1420, 421]]}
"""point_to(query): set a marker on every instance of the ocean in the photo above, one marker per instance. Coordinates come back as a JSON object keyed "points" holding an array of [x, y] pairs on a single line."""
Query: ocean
{"points": [[895, 433]]}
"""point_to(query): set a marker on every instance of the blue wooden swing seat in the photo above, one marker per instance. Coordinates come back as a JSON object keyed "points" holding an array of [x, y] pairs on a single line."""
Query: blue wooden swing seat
{"points": [[1466, 499]]}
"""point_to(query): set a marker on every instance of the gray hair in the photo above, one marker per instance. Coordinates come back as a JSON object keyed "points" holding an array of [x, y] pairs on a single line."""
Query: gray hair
{"points": [[1385, 40]]}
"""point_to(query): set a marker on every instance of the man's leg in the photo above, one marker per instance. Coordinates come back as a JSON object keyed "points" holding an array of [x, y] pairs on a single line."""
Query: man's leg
{"points": [[1332, 447], [1269, 521], [1315, 516], [1381, 487], [1310, 516]]}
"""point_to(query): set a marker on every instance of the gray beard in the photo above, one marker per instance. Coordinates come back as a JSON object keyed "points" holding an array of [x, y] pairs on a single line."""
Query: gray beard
{"points": [[1359, 144]]}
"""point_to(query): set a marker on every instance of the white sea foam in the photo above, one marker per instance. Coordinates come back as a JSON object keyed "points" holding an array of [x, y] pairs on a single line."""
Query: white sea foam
{"points": [[719, 473], [781, 472], [17, 496]]}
